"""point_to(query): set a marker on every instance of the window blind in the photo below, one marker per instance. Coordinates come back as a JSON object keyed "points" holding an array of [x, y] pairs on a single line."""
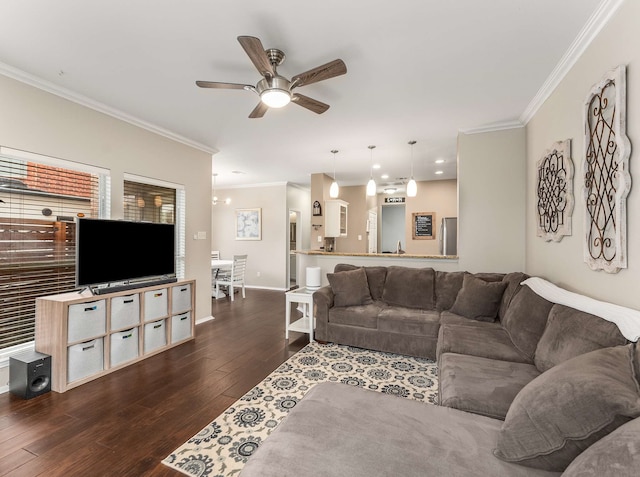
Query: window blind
{"points": [[144, 201], [38, 206]]}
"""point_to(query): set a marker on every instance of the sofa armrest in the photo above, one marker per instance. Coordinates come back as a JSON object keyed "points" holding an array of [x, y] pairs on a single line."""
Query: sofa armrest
{"points": [[323, 301]]}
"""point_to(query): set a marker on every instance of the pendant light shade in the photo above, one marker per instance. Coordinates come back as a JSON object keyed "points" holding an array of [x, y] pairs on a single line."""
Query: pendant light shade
{"points": [[334, 190], [371, 185], [412, 186]]}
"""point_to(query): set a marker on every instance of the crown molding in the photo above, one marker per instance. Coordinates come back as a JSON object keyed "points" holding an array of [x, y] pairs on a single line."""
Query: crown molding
{"points": [[39, 83], [492, 127], [252, 186], [594, 25]]}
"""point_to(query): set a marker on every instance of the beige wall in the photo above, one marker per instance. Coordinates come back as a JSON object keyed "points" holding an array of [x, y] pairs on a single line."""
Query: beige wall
{"points": [[491, 201], [561, 117], [320, 184], [36, 121], [266, 264], [440, 197]]}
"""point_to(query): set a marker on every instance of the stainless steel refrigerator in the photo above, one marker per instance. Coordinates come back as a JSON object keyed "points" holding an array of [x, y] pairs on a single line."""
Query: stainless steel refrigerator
{"points": [[449, 236]]}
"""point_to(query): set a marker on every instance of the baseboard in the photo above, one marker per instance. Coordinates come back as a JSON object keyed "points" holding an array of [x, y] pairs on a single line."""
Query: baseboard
{"points": [[205, 319], [4, 389], [266, 288]]}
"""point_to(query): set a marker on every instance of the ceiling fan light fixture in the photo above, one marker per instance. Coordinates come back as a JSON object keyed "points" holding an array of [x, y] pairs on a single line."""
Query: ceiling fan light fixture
{"points": [[275, 98]]}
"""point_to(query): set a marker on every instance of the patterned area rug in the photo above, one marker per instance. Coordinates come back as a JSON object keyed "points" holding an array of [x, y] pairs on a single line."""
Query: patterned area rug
{"points": [[222, 448]]}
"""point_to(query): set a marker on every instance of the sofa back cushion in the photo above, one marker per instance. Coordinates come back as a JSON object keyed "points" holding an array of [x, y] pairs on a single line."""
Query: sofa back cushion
{"points": [[525, 319], [478, 299], [410, 287], [350, 288], [570, 332], [566, 409], [513, 280], [375, 276], [448, 284]]}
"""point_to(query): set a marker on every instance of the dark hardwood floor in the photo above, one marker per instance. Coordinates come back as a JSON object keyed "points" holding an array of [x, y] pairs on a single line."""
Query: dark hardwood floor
{"points": [[125, 423]]}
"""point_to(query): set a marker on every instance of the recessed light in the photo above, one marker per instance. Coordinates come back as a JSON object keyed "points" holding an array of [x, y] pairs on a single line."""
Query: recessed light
{"points": [[376, 166], [237, 172], [390, 190], [439, 172], [384, 176], [439, 161]]}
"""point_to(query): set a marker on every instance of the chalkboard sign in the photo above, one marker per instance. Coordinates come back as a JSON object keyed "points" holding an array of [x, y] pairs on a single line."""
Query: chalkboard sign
{"points": [[423, 225]]}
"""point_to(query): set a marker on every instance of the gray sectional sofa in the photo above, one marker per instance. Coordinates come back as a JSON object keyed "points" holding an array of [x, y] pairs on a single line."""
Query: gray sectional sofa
{"points": [[527, 386]]}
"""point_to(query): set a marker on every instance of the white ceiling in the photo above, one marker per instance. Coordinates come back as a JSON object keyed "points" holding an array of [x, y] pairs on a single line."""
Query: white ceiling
{"points": [[417, 70]]}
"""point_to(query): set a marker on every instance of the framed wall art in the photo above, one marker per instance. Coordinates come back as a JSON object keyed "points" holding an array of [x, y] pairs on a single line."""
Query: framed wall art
{"points": [[249, 224], [606, 173], [423, 226], [554, 189]]}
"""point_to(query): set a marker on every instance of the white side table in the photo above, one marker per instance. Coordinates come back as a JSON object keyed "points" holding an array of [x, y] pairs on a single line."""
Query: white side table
{"points": [[306, 323]]}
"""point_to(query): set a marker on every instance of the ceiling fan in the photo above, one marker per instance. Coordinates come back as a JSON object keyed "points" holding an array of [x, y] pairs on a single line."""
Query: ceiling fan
{"points": [[276, 91]]}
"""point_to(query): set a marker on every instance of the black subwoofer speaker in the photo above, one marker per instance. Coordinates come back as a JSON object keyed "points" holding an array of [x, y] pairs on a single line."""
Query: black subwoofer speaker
{"points": [[30, 374]]}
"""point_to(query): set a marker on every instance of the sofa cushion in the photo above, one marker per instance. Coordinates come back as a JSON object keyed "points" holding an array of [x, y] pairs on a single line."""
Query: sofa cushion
{"points": [[350, 287], [448, 318], [484, 342], [410, 287], [362, 315], [618, 453], [338, 430], [448, 284], [481, 385], [525, 319], [375, 276], [479, 300], [570, 332], [569, 407], [513, 281], [409, 321]]}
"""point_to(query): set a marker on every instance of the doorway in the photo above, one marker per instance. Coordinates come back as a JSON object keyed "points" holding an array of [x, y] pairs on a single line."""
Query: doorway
{"points": [[393, 228], [294, 243]]}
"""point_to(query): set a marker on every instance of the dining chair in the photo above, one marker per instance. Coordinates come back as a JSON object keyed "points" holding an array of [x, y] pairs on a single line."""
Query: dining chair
{"points": [[235, 277]]}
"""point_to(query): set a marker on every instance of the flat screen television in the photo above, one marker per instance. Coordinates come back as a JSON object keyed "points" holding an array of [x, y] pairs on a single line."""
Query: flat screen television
{"points": [[118, 252]]}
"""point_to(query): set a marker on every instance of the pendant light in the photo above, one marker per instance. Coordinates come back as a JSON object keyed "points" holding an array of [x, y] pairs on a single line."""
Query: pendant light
{"points": [[371, 185], [412, 187], [334, 190]]}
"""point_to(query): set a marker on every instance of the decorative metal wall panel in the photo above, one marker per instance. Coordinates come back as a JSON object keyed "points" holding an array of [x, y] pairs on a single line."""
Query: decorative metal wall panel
{"points": [[606, 173], [555, 192]]}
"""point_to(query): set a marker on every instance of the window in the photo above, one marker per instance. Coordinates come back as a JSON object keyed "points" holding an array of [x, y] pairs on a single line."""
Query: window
{"points": [[157, 201], [39, 200]]}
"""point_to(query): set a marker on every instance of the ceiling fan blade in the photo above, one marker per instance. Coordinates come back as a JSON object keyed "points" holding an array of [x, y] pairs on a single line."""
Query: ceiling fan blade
{"points": [[215, 84], [254, 49], [320, 73], [309, 103], [259, 110]]}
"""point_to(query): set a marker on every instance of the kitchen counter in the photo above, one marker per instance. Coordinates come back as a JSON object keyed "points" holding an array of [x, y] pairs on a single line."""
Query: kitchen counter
{"points": [[328, 260]]}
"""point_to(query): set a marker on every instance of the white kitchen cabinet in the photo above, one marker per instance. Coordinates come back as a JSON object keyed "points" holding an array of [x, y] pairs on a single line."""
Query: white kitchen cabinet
{"points": [[335, 220]]}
